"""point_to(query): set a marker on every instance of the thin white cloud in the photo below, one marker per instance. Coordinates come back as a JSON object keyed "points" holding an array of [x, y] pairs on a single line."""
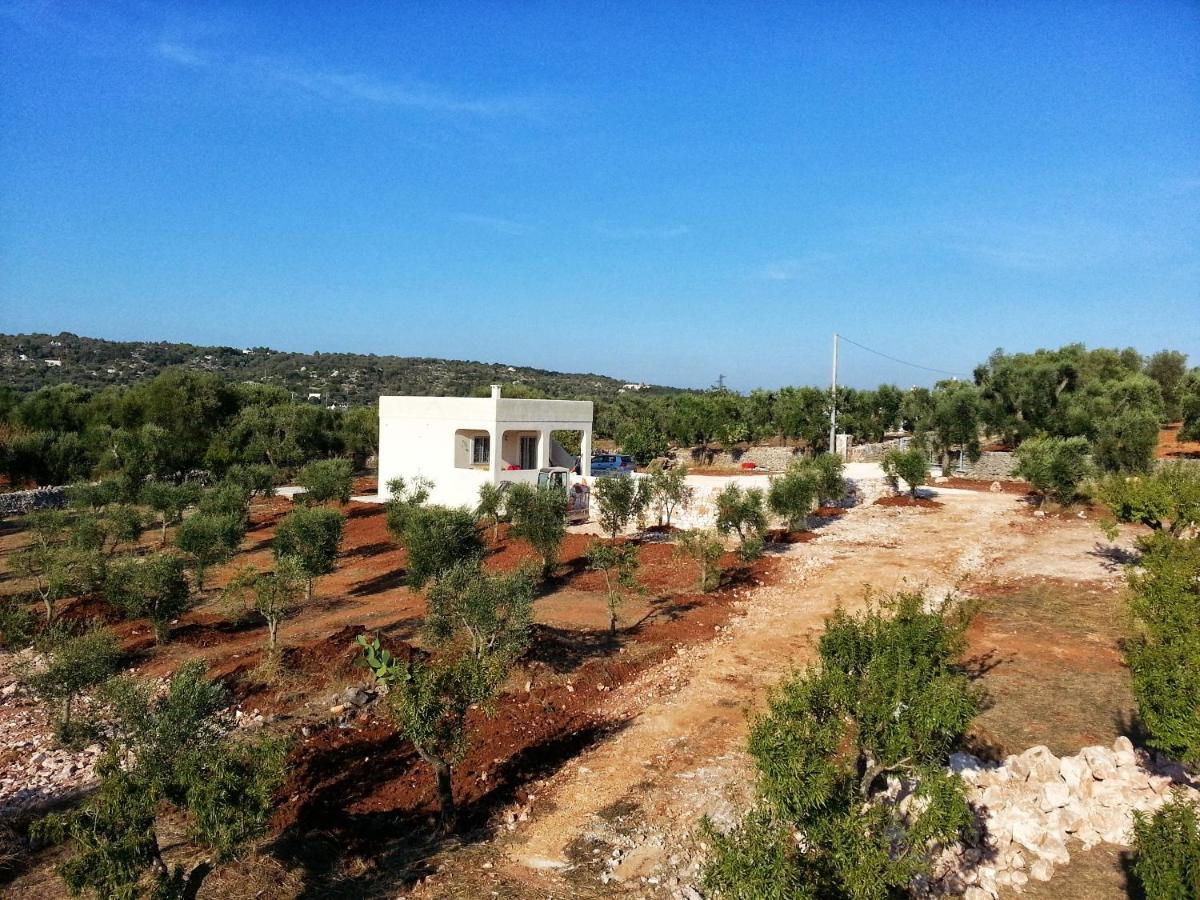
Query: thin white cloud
{"points": [[495, 223], [794, 267], [635, 233], [344, 87]]}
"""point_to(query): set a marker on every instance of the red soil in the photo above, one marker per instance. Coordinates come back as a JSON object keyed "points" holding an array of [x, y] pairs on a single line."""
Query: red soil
{"points": [[1019, 488], [1170, 447], [906, 501]]}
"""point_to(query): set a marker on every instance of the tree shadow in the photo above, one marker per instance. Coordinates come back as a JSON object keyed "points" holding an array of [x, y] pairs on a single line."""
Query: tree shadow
{"points": [[1116, 558], [368, 550], [564, 650], [386, 581]]}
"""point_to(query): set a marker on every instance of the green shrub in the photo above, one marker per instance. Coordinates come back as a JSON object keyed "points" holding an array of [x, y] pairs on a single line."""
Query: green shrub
{"points": [[272, 595], [1166, 500], [1167, 851], [151, 586], [17, 624], [830, 477], [1164, 652], [491, 507], [72, 665], [327, 479], [910, 465], [209, 539], [1125, 442], [1055, 467], [57, 573], [792, 495], [705, 549], [310, 537], [436, 539], [489, 614], [539, 516], [667, 490], [168, 501], [257, 479], [618, 502], [619, 565], [886, 699], [743, 511]]}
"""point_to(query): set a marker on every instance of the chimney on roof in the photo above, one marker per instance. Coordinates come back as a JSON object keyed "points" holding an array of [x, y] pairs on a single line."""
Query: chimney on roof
{"points": [[495, 392]]}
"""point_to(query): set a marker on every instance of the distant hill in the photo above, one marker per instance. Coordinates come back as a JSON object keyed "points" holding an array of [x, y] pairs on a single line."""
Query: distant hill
{"points": [[32, 361]]}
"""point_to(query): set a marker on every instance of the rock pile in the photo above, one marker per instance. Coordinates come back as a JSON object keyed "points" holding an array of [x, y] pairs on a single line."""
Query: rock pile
{"points": [[1034, 804]]}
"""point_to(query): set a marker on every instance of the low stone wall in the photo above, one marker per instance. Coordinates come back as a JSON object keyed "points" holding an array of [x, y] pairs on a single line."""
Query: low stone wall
{"points": [[16, 503], [767, 457], [876, 452], [997, 465]]}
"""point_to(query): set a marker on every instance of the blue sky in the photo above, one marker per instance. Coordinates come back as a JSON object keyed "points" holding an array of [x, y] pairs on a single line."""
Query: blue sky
{"points": [[663, 192]]}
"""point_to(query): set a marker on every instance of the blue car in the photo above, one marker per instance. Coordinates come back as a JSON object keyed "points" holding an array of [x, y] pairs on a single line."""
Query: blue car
{"points": [[612, 464]]}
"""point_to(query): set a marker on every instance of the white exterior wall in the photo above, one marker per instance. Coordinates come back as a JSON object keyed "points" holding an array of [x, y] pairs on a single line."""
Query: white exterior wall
{"points": [[417, 437]]}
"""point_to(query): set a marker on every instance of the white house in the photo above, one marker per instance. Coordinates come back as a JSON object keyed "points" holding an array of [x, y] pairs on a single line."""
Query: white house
{"points": [[460, 443]]}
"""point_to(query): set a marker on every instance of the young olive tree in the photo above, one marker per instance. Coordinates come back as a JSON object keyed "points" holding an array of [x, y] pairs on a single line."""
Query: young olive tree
{"points": [[489, 615], [310, 537], [668, 491], [1055, 467], [71, 665], [828, 470], [57, 573], [166, 756], [618, 502], [327, 479], [152, 586], [208, 539], [743, 511], [619, 565], [539, 516], [256, 479], [792, 495], [1166, 849], [271, 595], [909, 466], [491, 507], [1167, 500], [886, 699], [168, 501], [705, 549]]}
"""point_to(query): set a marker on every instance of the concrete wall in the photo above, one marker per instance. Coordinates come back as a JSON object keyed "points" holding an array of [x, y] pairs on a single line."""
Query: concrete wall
{"points": [[417, 436]]}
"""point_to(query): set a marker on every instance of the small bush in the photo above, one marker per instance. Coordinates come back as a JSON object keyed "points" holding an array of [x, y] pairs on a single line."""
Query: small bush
{"points": [[208, 539], [438, 538], [910, 465], [327, 479], [705, 549], [792, 495], [1167, 851], [1054, 466], [311, 538], [72, 665], [539, 516], [1167, 500]]}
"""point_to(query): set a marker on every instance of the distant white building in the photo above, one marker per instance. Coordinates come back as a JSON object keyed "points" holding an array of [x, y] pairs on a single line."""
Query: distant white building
{"points": [[460, 443]]}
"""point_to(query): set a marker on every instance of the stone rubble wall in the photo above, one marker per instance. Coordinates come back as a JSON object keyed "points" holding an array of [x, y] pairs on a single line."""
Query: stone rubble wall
{"points": [[876, 452], [995, 465], [15, 503], [1036, 804], [767, 457]]}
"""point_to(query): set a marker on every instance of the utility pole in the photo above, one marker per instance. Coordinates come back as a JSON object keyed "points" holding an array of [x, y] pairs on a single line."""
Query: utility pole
{"points": [[833, 400], [720, 382]]}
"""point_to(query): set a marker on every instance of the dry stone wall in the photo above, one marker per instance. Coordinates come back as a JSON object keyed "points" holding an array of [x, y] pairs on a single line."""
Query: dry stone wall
{"points": [[766, 457], [996, 465], [17, 503]]}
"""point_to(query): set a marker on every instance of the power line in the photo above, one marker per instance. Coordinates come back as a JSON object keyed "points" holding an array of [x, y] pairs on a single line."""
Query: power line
{"points": [[902, 362]]}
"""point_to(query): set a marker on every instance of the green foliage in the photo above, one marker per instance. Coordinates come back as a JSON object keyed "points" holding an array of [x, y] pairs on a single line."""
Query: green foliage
{"points": [[271, 595], [792, 495], [618, 502], [168, 754], [1167, 851], [152, 586], [226, 499], [1189, 407], [828, 470], [619, 565], [256, 480], [491, 507], [539, 516], [208, 540], [436, 539], [886, 699], [403, 497], [1055, 467], [910, 465], [168, 501], [71, 665], [952, 420], [643, 441], [1164, 652], [57, 572], [667, 490], [327, 479], [743, 511], [1125, 441], [1167, 500], [705, 549], [484, 616], [17, 624], [1169, 369], [310, 538]]}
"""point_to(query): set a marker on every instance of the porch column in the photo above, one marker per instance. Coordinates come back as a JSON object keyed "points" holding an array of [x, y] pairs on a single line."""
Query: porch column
{"points": [[585, 454], [494, 437], [544, 448]]}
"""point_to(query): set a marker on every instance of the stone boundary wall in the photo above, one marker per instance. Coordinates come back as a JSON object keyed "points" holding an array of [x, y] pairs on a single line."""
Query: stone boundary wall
{"points": [[996, 465], [16, 503], [767, 457], [876, 452]]}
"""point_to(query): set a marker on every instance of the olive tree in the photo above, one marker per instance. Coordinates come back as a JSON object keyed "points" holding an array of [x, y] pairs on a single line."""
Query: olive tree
{"points": [[705, 549], [668, 491], [310, 537], [743, 511], [168, 501], [491, 507], [167, 756], [57, 573], [887, 699], [792, 495], [619, 565], [909, 466], [327, 479], [539, 516], [152, 586], [1055, 467], [618, 502], [489, 614], [1167, 500], [273, 596], [70, 665], [1166, 849], [828, 471], [208, 539]]}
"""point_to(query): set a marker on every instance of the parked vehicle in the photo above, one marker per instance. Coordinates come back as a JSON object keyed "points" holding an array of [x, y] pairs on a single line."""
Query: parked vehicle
{"points": [[578, 495], [612, 464]]}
